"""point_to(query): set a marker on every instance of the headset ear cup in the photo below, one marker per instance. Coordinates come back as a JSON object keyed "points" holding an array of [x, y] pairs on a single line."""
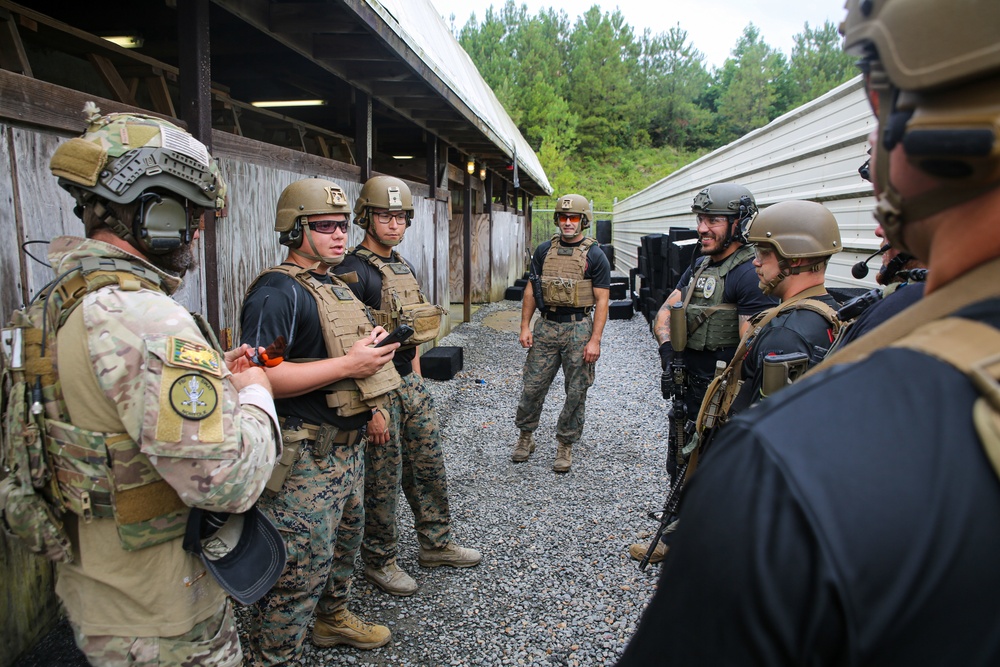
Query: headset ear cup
{"points": [[161, 224], [293, 237]]}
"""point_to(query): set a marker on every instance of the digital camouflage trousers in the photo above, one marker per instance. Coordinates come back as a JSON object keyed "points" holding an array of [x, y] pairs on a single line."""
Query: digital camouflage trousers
{"points": [[557, 345]]}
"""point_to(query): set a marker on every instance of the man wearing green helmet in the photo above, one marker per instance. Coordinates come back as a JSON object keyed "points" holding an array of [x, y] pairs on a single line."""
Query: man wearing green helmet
{"points": [[145, 427], [852, 518], [409, 457]]}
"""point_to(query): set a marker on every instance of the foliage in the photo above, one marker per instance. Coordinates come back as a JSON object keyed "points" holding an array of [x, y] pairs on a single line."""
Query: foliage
{"points": [[609, 112]]}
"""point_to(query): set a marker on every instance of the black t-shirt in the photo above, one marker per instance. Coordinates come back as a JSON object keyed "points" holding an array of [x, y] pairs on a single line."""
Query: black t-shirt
{"points": [[598, 269], [742, 288], [368, 288], [852, 519], [290, 311], [799, 330]]}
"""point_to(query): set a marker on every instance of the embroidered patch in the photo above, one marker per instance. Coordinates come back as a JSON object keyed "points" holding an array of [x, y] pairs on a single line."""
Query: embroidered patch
{"points": [[399, 269], [193, 397], [709, 288], [194, 355], [343, 293], [564, 251]]}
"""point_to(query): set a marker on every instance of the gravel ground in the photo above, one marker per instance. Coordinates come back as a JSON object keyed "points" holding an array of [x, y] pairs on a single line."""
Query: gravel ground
{"points": [[556, 585]]}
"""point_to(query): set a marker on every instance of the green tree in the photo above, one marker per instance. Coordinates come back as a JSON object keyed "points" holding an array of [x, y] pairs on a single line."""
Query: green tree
{"points": [[818, 63], [750, 86], [674, 79]]}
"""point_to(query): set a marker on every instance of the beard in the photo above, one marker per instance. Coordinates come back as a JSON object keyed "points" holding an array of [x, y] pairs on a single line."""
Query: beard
{"points": [[178, 261]]}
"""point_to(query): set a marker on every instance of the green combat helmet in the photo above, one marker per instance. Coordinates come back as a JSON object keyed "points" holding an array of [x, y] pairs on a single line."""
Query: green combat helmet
{"points": [[574, 204], [731, 200], [310, 196], [124, 158]]}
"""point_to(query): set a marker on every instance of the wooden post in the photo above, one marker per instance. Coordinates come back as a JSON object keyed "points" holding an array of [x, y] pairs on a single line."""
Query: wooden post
{"points": [[363, 133], [467, 250]]}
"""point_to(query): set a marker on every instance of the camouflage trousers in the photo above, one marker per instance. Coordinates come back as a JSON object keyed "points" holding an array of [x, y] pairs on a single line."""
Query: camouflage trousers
{"points": [[555, 345], [213, 642], [319, 512], [413, 461]]}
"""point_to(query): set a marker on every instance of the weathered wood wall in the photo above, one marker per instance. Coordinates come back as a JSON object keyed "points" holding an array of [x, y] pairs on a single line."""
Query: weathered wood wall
{"points": [[481, 257], [508, 260]]}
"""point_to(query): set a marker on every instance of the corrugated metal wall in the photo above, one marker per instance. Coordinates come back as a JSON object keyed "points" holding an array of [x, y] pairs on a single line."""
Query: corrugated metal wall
{"points": [[812, 153]]}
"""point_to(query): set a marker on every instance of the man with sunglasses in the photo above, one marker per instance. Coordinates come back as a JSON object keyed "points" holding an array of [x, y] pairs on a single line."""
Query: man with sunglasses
{"points": [[331, 389], [575, 280], [410, 456], [852, 519], [720, 292]]}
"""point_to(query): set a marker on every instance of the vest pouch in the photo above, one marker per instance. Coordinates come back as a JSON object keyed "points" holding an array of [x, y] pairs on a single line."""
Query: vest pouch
{"points": [[425, 318], [80, 467], [283, 466], [146, 509], [33, 521], [558, 291]]}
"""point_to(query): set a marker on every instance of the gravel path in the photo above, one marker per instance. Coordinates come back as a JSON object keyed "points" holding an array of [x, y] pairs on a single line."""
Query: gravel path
{"points": [[556, 586]]}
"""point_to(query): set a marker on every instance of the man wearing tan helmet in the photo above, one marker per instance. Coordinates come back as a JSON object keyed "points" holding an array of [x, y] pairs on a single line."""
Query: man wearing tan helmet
{"points": [[852, 519], [409, 457], [575, 281], [330, 389]]}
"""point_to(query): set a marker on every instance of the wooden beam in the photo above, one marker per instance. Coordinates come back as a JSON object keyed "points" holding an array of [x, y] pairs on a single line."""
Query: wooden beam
{"points": [[309, 17], [111, 78], [349, 47], [432, 163], [160, 94], [12, 55], [467, 250], [363, 136]]}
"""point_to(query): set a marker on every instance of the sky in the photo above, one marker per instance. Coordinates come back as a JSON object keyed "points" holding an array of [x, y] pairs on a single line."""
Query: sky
{"points": [[713, 26]]}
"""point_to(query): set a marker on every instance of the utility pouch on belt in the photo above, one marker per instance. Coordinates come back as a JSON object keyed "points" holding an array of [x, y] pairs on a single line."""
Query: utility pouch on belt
{"points": [[283, 466], [324, 441]]}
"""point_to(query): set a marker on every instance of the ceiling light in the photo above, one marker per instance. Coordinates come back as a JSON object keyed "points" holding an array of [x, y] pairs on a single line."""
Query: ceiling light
{"points": [[126, 41], [402, 157], [482, 174], [263, 104], [471, 167]]}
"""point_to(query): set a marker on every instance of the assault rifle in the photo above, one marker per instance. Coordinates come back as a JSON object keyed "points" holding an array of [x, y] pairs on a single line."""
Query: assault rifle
{"points": [[673, 385]]}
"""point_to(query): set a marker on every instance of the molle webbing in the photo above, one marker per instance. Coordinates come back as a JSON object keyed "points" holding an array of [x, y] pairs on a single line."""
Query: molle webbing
{"points": [[713, 324], [344, 322], [401, 301], [563, 272]]}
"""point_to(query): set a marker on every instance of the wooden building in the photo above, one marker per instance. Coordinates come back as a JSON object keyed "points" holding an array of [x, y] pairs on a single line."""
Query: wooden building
{"points": [[394, 93]]}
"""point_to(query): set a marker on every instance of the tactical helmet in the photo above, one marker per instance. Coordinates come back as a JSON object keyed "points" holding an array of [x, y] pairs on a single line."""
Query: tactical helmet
{"points": [[932, 72], [310, 196], [123, 155], [382, 192], [797, 229], [574, 204], [729, 199]]}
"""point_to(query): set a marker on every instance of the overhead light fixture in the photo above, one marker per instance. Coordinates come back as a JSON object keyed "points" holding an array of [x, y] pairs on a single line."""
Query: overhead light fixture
{"points": [[471, 167], [482, 174], [127, 41], [402, 157], [265, 104]]}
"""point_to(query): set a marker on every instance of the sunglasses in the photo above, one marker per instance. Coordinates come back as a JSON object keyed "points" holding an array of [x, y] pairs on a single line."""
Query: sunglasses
{"points": [[328, 226], [711, 220], [763, 253], [571, 217]]}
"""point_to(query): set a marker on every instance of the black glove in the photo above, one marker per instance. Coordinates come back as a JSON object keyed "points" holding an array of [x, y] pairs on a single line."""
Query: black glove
{"points": [[666, 355]]}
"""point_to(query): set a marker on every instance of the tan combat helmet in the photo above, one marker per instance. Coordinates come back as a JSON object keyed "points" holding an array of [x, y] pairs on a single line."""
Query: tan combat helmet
{"points": [[382, 192], [125, 158], [310, 196], [796, 230], [574, 204], [932, 69]]}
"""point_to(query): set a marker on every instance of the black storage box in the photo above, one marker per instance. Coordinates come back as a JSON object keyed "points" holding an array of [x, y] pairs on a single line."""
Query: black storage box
{"points": [[620, 310], [441, 363], [514, 293]]}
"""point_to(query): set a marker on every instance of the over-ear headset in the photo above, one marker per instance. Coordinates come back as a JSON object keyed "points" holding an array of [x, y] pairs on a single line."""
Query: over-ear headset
{"points": [[161, 224]]}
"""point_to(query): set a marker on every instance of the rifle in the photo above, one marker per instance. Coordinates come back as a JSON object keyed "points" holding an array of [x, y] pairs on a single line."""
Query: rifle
{"points": [[536, 284], [673, 385]]}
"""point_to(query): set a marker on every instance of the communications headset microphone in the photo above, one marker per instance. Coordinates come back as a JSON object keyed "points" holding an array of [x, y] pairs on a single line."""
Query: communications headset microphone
{"points": [[860, 270]]}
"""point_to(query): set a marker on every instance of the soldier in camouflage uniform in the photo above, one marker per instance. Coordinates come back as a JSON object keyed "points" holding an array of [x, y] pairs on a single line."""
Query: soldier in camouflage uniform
{"points": [[412, 456], [574, 279], [144, 389], [330, 390]]}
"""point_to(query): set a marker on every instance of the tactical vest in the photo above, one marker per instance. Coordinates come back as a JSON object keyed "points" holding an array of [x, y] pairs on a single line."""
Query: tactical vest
{"points": [[725, 387], [344, 321], [562, 275], [402, 301], [54, 466], [711, 323]]}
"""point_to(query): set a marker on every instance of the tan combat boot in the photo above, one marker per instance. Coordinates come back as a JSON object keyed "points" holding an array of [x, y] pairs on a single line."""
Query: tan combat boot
{"points": [[564, 458], [392, 579], [451, 555], [638, 552], [525, 446], [343, 627]]}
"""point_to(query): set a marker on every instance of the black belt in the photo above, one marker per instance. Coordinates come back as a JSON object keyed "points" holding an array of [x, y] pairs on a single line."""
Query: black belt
{"points": [[568, 317], [293, 430]]}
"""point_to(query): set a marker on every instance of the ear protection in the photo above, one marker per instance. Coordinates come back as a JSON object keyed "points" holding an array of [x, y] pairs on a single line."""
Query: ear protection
{"points": [[161, 224], [293, 237]]}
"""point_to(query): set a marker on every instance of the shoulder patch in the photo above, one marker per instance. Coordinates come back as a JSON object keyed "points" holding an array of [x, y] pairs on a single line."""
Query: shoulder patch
{"points": [[185, 353], [193, 396]]}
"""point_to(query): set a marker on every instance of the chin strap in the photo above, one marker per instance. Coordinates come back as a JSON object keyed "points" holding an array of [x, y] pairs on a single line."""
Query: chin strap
{"points": [[315, 256]]}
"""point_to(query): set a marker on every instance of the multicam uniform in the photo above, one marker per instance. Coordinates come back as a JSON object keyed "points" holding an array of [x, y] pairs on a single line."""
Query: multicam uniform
{"points": [[412, 458], [136, 370], [569, 273], [320, 500]]}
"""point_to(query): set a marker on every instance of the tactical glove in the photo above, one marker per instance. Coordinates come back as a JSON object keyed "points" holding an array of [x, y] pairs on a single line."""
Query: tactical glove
{"points": [[666, 355]]}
